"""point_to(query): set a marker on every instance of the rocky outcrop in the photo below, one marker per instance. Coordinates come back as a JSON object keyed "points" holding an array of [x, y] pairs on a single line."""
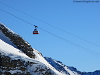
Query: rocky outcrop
{"points": [[21, 67], [10, 66], [18, 41], [7, 65]]}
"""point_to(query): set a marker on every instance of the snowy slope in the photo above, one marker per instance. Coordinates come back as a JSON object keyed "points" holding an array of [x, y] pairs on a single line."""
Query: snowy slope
{"points": [[60, 66], [11, 51]]}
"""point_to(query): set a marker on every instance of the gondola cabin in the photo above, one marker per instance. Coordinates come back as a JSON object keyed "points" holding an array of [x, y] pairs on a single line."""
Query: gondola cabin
{"points": [[35, 31]]}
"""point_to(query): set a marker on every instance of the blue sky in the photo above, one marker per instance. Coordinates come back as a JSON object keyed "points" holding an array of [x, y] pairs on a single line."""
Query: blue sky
{"points": [[79, 20]]}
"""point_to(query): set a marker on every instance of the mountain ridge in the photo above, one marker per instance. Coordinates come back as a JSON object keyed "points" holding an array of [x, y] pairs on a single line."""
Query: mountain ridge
{"points": [[58, 65]]}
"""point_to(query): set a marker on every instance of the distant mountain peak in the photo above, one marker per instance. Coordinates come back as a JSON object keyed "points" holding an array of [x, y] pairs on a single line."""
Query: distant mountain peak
{"points": [[69, 70]]}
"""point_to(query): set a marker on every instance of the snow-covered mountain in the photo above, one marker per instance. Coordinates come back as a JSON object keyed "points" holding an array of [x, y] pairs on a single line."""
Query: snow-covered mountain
{"points": [[59, 66], [67, 69], [17, 57]]}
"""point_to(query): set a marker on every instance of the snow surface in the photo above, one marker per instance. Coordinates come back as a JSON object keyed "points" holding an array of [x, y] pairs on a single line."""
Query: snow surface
{"points": [[12, 52]]}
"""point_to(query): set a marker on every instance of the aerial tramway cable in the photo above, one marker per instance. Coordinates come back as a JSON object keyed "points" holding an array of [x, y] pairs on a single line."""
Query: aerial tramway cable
{"points": [[79, 46], [52, 25]]}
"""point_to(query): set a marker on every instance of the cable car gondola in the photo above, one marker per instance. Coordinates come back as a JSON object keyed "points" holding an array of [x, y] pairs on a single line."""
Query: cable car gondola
{"points": [[35, 30]]}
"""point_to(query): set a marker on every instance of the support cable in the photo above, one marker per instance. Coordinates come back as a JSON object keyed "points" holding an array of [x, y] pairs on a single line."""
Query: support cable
{"points": [[52, 26]]}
